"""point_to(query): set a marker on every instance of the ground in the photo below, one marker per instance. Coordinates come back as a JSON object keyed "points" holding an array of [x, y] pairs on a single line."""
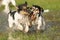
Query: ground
{"points": [[52, 19]]}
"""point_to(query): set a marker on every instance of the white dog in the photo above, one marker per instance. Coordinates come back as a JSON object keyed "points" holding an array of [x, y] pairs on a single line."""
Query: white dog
{"points": [[18, 19]]}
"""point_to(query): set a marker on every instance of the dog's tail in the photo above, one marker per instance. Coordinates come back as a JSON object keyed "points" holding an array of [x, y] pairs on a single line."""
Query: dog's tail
{"points": [[26, 2], [47, 10]]}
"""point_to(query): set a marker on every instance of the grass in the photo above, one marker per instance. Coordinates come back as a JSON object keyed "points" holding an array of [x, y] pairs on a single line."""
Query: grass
{"points": [[3, 36], [52, 20], [46, 4]]}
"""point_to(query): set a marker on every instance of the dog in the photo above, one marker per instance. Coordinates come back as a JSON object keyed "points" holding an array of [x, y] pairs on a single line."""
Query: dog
{"points": [[19, 17], [37, 18]]}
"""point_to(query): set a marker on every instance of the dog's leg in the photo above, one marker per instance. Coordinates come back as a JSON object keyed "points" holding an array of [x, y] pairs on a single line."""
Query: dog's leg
{"points": [[10, 24], [10, 21], [39, 23], [26, 28], [43, 28], [19, 26]]}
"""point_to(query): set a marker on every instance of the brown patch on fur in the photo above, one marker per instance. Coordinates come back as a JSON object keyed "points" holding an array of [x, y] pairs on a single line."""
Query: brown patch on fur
{"points": [[33, 17], [24, 13]]}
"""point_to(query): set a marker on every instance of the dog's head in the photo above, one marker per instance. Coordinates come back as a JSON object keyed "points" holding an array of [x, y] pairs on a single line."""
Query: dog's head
{"points": [[22, 6], [37, 9]]}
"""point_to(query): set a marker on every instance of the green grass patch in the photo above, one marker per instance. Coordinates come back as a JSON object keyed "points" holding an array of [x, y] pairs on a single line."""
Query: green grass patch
{"points": [[1, 8], [46, 4], [3, 36]]}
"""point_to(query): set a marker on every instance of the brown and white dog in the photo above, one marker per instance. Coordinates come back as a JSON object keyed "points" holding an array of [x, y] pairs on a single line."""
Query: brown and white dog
{"points": [[37, 18]]}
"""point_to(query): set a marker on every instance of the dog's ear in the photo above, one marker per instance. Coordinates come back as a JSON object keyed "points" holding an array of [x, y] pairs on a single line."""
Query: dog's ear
{"points": [[42, 10], [26, 2]]}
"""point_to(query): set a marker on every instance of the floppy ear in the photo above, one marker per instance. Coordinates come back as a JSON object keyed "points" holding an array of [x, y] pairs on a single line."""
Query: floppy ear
{"points": [[41, 11], [19, 7]]}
